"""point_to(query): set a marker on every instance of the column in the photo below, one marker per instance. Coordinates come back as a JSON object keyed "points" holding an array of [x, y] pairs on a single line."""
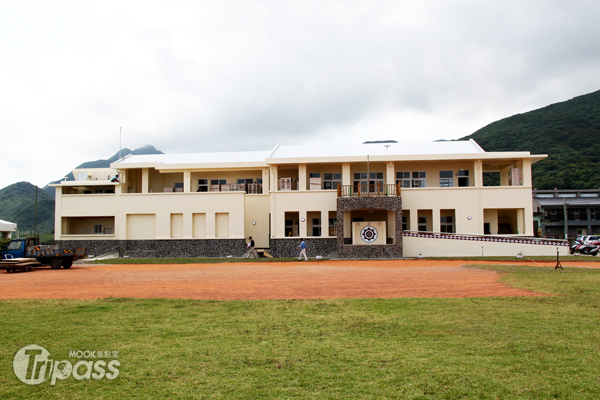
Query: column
{"points": [[301, 176], [478, 172], [145, 182], [187, 181], [266, 185], [302, 227], [274, 178], [390, 173], [346, 176], [435, 216]]}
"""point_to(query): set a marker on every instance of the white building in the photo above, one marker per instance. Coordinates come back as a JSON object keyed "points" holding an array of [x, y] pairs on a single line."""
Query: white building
{"points": [[366, 200]]}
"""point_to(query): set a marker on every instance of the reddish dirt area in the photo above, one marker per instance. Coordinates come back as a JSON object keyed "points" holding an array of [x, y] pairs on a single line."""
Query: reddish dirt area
{"points": [[246, 281]]}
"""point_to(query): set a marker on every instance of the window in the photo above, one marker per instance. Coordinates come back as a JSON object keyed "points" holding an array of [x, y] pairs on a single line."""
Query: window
{"points": [[316, 226], [544, 195], [97, 229], [404, 223], [422, 224], [218, 181], [332, 226], [446, 178], [589, 194], [202, 185], [567, 195], [244, 181], [331, 181], [412, 179], [447, 224], [375, 180], [463, 177]]}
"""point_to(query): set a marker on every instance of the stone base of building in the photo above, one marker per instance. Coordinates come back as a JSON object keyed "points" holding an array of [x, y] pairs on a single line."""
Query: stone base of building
{"points": [[370, 251], [172, 248], [315, 247]]}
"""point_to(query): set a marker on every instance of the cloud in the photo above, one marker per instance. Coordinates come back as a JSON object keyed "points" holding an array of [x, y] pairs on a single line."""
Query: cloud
{"points": [[210, 76]]}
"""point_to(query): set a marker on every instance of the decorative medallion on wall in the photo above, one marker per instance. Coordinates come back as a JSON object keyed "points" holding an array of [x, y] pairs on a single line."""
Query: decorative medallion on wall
{"points": [[368, 234]]}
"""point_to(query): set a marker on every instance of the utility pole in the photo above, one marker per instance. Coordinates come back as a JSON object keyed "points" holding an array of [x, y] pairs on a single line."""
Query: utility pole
{"points": [[35, 214]]}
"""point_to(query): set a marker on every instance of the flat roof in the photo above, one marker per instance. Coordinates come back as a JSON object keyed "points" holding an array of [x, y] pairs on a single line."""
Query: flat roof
{"points": [[318, 152]]}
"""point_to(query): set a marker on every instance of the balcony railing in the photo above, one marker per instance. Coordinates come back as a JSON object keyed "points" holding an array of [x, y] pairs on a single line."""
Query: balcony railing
{"points": [[378, 189]]}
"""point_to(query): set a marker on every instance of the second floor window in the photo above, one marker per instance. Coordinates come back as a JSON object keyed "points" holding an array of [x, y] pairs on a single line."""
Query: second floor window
{"points": [[331, 181], [446, 178], [412, 179]]}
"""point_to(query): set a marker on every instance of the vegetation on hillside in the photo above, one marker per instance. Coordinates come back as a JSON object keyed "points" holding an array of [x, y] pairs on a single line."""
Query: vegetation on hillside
{"points": [[17, 205], [569, 132]]}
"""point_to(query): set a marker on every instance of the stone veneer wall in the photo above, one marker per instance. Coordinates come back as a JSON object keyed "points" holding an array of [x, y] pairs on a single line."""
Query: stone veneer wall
{"points": [[160, 248], [346, 204], [315, 247]]}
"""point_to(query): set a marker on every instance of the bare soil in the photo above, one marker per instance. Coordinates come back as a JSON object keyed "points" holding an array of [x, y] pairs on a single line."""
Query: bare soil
{"points": [[248, 281]]}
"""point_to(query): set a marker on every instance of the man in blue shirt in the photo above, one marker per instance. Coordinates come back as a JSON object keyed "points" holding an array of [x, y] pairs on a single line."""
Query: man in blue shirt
{"points": [[302, 249]]}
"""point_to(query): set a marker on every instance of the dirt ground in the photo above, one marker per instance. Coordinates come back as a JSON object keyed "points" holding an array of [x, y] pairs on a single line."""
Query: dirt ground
{"points": [[246, 281]]}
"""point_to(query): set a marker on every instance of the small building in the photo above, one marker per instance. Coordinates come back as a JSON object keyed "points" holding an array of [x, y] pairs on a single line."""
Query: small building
{"points": [[582, 207], [7, 229], [383, 200]]}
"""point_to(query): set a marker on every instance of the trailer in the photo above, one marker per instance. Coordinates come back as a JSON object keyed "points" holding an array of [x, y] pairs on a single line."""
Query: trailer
{"points": [[18, 251]]}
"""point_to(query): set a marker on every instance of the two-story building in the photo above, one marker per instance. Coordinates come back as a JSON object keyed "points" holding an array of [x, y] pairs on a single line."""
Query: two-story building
{"points": [[365, 200]]}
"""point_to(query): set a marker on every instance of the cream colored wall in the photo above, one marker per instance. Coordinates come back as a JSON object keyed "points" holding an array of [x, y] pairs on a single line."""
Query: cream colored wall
{"points": [[380, 226], [199, 225], [413, 246], [176, 226], [162, 205], [141, 226], [468, 202], [257, 210], [302, 202], [222, 225], [433, 169]]}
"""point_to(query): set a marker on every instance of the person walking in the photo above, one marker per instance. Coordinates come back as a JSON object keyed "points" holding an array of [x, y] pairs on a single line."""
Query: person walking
{"points": [[302, 249], [251, 249]]}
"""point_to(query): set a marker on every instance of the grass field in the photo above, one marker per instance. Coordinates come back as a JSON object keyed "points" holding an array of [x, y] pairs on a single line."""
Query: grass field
{"points": [[473, 348]]}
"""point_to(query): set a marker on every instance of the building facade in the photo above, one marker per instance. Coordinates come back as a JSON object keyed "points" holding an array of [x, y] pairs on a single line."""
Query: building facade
{"points": [[368, 200], [577, 210]]}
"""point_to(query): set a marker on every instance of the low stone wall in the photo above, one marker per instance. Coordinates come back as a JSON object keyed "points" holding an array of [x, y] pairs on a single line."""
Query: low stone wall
{"points": [[370, 251], [315, 247], [161, 248]]}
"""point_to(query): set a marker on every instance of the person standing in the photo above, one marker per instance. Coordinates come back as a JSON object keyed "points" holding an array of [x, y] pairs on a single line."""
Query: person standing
{"points": [[302, 249], [251, 248]]}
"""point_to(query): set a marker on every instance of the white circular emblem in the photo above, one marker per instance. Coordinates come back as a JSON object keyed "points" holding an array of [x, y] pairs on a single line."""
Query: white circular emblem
{"points": [[368, 234]]}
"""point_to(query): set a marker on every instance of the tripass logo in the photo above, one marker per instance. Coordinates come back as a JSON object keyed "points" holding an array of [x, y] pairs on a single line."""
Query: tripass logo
{"points": [[32, 365]]}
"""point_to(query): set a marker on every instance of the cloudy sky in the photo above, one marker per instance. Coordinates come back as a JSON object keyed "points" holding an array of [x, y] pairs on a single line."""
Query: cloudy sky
{"points": [[194, 76]]}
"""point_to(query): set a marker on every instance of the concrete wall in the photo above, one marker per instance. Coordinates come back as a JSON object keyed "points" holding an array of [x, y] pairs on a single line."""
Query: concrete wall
{"points": [[472, 246]]}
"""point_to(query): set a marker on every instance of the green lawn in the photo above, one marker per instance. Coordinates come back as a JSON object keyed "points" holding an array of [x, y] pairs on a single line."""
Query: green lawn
{"points": [[477, 348]]}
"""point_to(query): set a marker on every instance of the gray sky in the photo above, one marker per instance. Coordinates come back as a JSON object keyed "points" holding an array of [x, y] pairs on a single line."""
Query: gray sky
{"points": [[193, 76]]}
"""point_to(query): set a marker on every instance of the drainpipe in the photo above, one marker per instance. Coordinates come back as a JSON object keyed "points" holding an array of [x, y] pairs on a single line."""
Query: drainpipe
{"points": [[566, 223]]}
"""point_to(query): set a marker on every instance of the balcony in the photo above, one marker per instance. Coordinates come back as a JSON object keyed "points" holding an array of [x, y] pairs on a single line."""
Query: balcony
{"points": [[372, 190]]}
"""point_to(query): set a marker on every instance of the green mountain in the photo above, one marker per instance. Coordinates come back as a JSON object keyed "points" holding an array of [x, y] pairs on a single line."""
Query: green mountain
{"points": [[148, 149], [569, 132], [17, 204]]}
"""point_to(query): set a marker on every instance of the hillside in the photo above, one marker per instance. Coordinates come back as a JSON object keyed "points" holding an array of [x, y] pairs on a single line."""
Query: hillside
{"points": [[569, 132], [148, 149], [17, 204]]}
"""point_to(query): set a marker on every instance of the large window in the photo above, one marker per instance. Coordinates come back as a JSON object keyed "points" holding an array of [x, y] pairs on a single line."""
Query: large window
{"points": [[412, 179], [331, 181], [446, 178], [447, 224], [202, 185], [422, 224], [463, 177]]}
